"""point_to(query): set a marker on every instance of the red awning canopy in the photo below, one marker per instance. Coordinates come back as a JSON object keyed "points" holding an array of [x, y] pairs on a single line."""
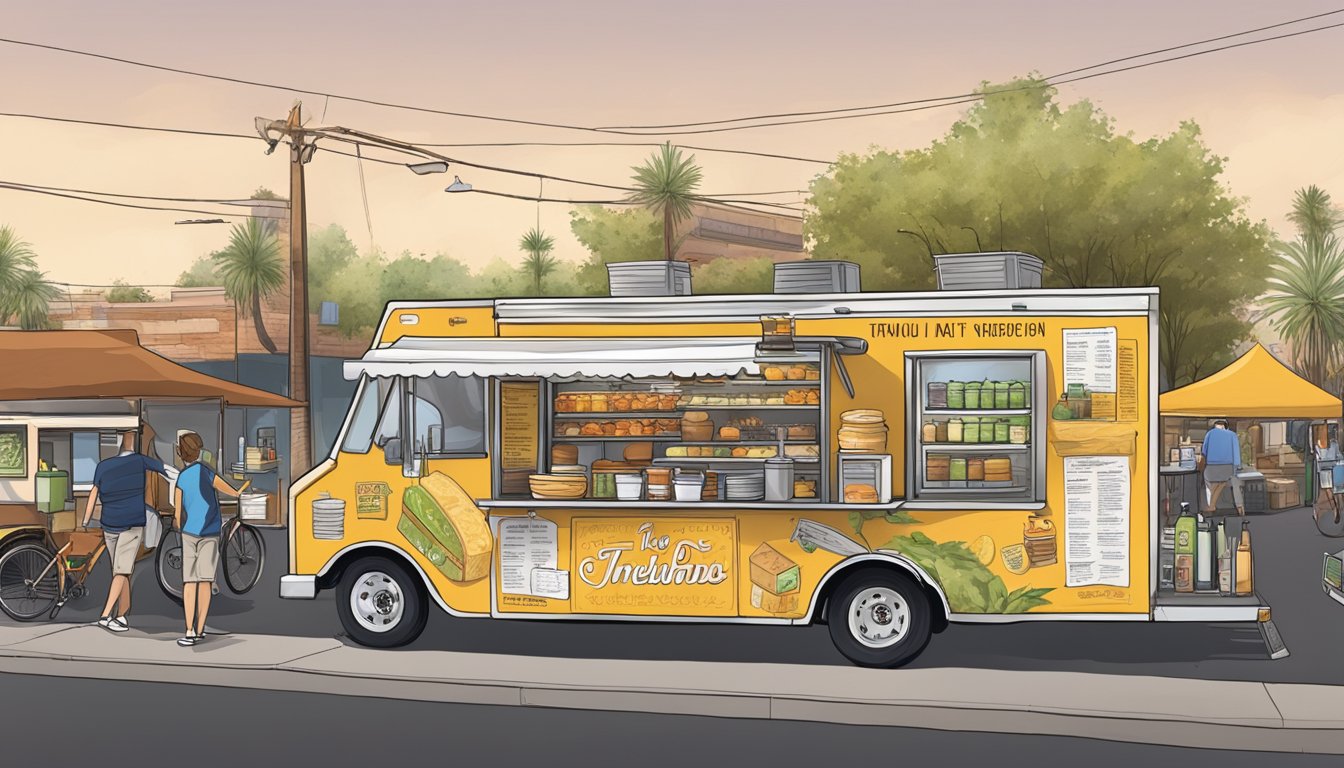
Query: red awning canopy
{"points": [[71, 365]]}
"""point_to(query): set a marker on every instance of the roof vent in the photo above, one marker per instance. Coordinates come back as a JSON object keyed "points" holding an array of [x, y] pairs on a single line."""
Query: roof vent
{"points": [[649, 278], [817, 277], [1006, 270]]}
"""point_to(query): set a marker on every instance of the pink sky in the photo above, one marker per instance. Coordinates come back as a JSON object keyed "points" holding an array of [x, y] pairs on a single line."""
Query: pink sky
{"points": [[1275, 110]]}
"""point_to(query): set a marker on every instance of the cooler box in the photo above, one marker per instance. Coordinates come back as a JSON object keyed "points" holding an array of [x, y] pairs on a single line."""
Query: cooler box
{"points": [[53, 486], [1253, 497]]}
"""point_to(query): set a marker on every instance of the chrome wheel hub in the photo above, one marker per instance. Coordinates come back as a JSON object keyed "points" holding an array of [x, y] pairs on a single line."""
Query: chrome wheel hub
{"points": [[878, 617], [377, 602]]}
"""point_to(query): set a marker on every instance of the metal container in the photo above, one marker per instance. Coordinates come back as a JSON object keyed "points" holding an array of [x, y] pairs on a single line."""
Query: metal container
{"points": [[778, 479], [987, 271], [819, 276]]}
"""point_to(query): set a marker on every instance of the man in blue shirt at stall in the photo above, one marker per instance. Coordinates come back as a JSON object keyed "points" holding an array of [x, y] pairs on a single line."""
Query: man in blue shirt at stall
{"points": [[1222, 456], [119, 483]]}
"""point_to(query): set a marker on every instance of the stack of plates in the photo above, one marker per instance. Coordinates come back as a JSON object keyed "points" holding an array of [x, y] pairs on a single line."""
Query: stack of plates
{"points": [[329, 519], [745, 486]]}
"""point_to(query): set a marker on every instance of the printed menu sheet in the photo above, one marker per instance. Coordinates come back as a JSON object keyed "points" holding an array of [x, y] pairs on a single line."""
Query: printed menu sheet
{"points": [[1127, 380], [1089, 358], [1096, 521], [528, 553], [519, 409]]}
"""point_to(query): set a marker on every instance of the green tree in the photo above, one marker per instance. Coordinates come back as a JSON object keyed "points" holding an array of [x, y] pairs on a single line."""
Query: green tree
{"points": [[1021, 172], [329, 251], [201, 273], [539, 263], [666, 184], [612, 236], [125, 293], [263, 193], [251, 269], [24, 291], [728, 275], [29, 298], [1306, 301]]}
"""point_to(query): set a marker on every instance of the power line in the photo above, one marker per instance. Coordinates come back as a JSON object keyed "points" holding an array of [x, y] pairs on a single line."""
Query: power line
{"points": [[253, 137], [21, 188], [221, 201], [911, 102]]}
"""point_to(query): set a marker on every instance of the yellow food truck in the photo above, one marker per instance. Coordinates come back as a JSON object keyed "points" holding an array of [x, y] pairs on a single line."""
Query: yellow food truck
{"points": [[883, 463]]}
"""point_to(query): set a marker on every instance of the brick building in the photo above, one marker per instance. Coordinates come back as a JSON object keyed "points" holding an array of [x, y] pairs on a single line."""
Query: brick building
{"points": [[719, 232]]}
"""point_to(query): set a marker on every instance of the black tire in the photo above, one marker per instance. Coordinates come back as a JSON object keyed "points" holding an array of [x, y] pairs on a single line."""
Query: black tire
{"points": [[168, 564], [393, 604], [20, 565], [243, 557], [892, 618]]}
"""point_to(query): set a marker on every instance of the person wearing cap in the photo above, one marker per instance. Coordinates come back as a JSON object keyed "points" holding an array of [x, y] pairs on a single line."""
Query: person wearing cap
{"points": [[1222, 458], [119, 484]]}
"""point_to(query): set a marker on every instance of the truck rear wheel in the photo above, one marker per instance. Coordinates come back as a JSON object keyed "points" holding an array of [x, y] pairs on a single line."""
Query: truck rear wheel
{"points": [[879, 618], [381, 603]]}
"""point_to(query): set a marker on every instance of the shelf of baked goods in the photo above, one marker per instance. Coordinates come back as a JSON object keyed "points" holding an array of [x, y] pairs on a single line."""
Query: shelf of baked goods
{"points": [[653, 405], [977, 447], [800, 451]]}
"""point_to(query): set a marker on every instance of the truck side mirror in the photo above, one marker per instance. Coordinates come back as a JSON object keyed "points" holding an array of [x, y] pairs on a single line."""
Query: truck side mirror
{"points": [[392, 450]]}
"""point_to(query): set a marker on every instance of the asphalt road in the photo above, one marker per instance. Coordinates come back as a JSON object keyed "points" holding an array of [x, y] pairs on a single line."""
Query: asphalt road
{"points": [[119, 723], [1287, 569]]}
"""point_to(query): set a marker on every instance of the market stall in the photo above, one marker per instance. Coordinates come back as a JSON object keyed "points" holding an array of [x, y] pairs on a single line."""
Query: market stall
{"points": [[67, 395], [1279, 418]]}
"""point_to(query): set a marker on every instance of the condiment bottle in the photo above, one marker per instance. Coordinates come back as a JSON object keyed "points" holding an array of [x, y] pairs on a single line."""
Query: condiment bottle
{"points": [[1185, 550], [1224, 560], [1244, 575], [1204, 555]]}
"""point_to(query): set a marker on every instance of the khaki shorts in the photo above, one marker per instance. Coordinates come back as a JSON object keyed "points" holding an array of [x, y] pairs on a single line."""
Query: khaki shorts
{"points": [[200, 558], [124, 547]]}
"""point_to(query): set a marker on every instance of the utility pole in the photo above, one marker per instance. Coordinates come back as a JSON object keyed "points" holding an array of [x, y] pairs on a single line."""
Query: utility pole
{"points": [[300, 419], [300, 152]]}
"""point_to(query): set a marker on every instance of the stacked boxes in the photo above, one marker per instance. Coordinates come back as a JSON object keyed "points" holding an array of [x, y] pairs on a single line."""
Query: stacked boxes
{"points": [[775, 581], [1283, 493]]}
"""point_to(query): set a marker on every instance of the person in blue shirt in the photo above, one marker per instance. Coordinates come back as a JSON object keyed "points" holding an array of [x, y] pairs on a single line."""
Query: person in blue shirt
{"points": [[1222, 457], [119, 484], [197, 503]]}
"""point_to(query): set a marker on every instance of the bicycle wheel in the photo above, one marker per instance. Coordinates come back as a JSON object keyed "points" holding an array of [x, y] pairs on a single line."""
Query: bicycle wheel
{"points": [[28, 587], [168, 564], [244, 556]]}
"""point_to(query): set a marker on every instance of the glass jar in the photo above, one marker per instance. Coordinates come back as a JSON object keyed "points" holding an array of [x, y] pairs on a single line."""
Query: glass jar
{"points": [[970, 430], [1001, 431], [929, 432], [957, 468], [955, 431], [973, 395], [956, 395], [942, 436]]}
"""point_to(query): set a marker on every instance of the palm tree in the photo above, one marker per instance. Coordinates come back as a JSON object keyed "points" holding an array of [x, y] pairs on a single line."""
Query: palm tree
{"points": [[1307, 302], [539, 262], [666, 184], [29, 298], [1314, 214], [16, 257], [252, 269]]}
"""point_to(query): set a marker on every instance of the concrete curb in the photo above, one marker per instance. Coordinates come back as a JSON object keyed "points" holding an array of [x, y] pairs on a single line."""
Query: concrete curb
{"points": [[1153, 710]]}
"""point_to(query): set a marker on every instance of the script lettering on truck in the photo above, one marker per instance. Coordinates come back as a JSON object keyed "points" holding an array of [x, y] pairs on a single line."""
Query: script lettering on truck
{"points": [[643, 567], [675, 567]]}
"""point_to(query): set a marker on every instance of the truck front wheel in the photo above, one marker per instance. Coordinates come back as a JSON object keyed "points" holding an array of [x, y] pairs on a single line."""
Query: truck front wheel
{"points": [[381, 603], [879, 618]]}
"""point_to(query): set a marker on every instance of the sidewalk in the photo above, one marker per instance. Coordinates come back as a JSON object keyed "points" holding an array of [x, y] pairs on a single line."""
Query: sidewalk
{"points": [[1178, 712]]}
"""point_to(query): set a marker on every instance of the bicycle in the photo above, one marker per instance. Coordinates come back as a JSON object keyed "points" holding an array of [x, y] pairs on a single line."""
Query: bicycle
{"points": [[36, 578], [242, 555]]}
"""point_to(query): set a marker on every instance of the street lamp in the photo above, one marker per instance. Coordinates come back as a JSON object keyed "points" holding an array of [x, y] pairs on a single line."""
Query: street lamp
{"points": [[422, 169], [458, 185]]}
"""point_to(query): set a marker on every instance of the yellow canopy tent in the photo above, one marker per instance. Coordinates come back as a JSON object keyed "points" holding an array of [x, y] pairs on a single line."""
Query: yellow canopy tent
{"points": [[1255, 385]]}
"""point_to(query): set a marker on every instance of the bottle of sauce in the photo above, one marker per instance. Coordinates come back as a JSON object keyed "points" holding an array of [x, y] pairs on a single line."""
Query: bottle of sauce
{"points": [[1204, 555], [1224, 560], [1245, 581], [1185, 550]]}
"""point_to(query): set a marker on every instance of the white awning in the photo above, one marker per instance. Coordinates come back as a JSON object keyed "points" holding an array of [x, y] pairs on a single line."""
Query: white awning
{"points": [[550, 357]]}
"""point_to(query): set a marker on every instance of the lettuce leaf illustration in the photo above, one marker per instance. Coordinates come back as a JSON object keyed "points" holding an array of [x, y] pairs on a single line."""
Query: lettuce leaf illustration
{"points": [[969, 585]]}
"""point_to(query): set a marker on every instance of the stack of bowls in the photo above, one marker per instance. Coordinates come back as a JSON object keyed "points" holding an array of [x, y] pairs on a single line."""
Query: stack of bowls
{"points": [[863, 430]]}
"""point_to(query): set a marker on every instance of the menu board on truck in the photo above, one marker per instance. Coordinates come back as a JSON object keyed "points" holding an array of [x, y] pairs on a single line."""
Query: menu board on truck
{"points": [[528, 554], [1096, 520], [1089, 358], [519, 409]]}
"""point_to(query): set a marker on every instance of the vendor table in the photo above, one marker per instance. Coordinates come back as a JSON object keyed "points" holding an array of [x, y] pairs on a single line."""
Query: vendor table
{"points": [[1180, 484]]}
